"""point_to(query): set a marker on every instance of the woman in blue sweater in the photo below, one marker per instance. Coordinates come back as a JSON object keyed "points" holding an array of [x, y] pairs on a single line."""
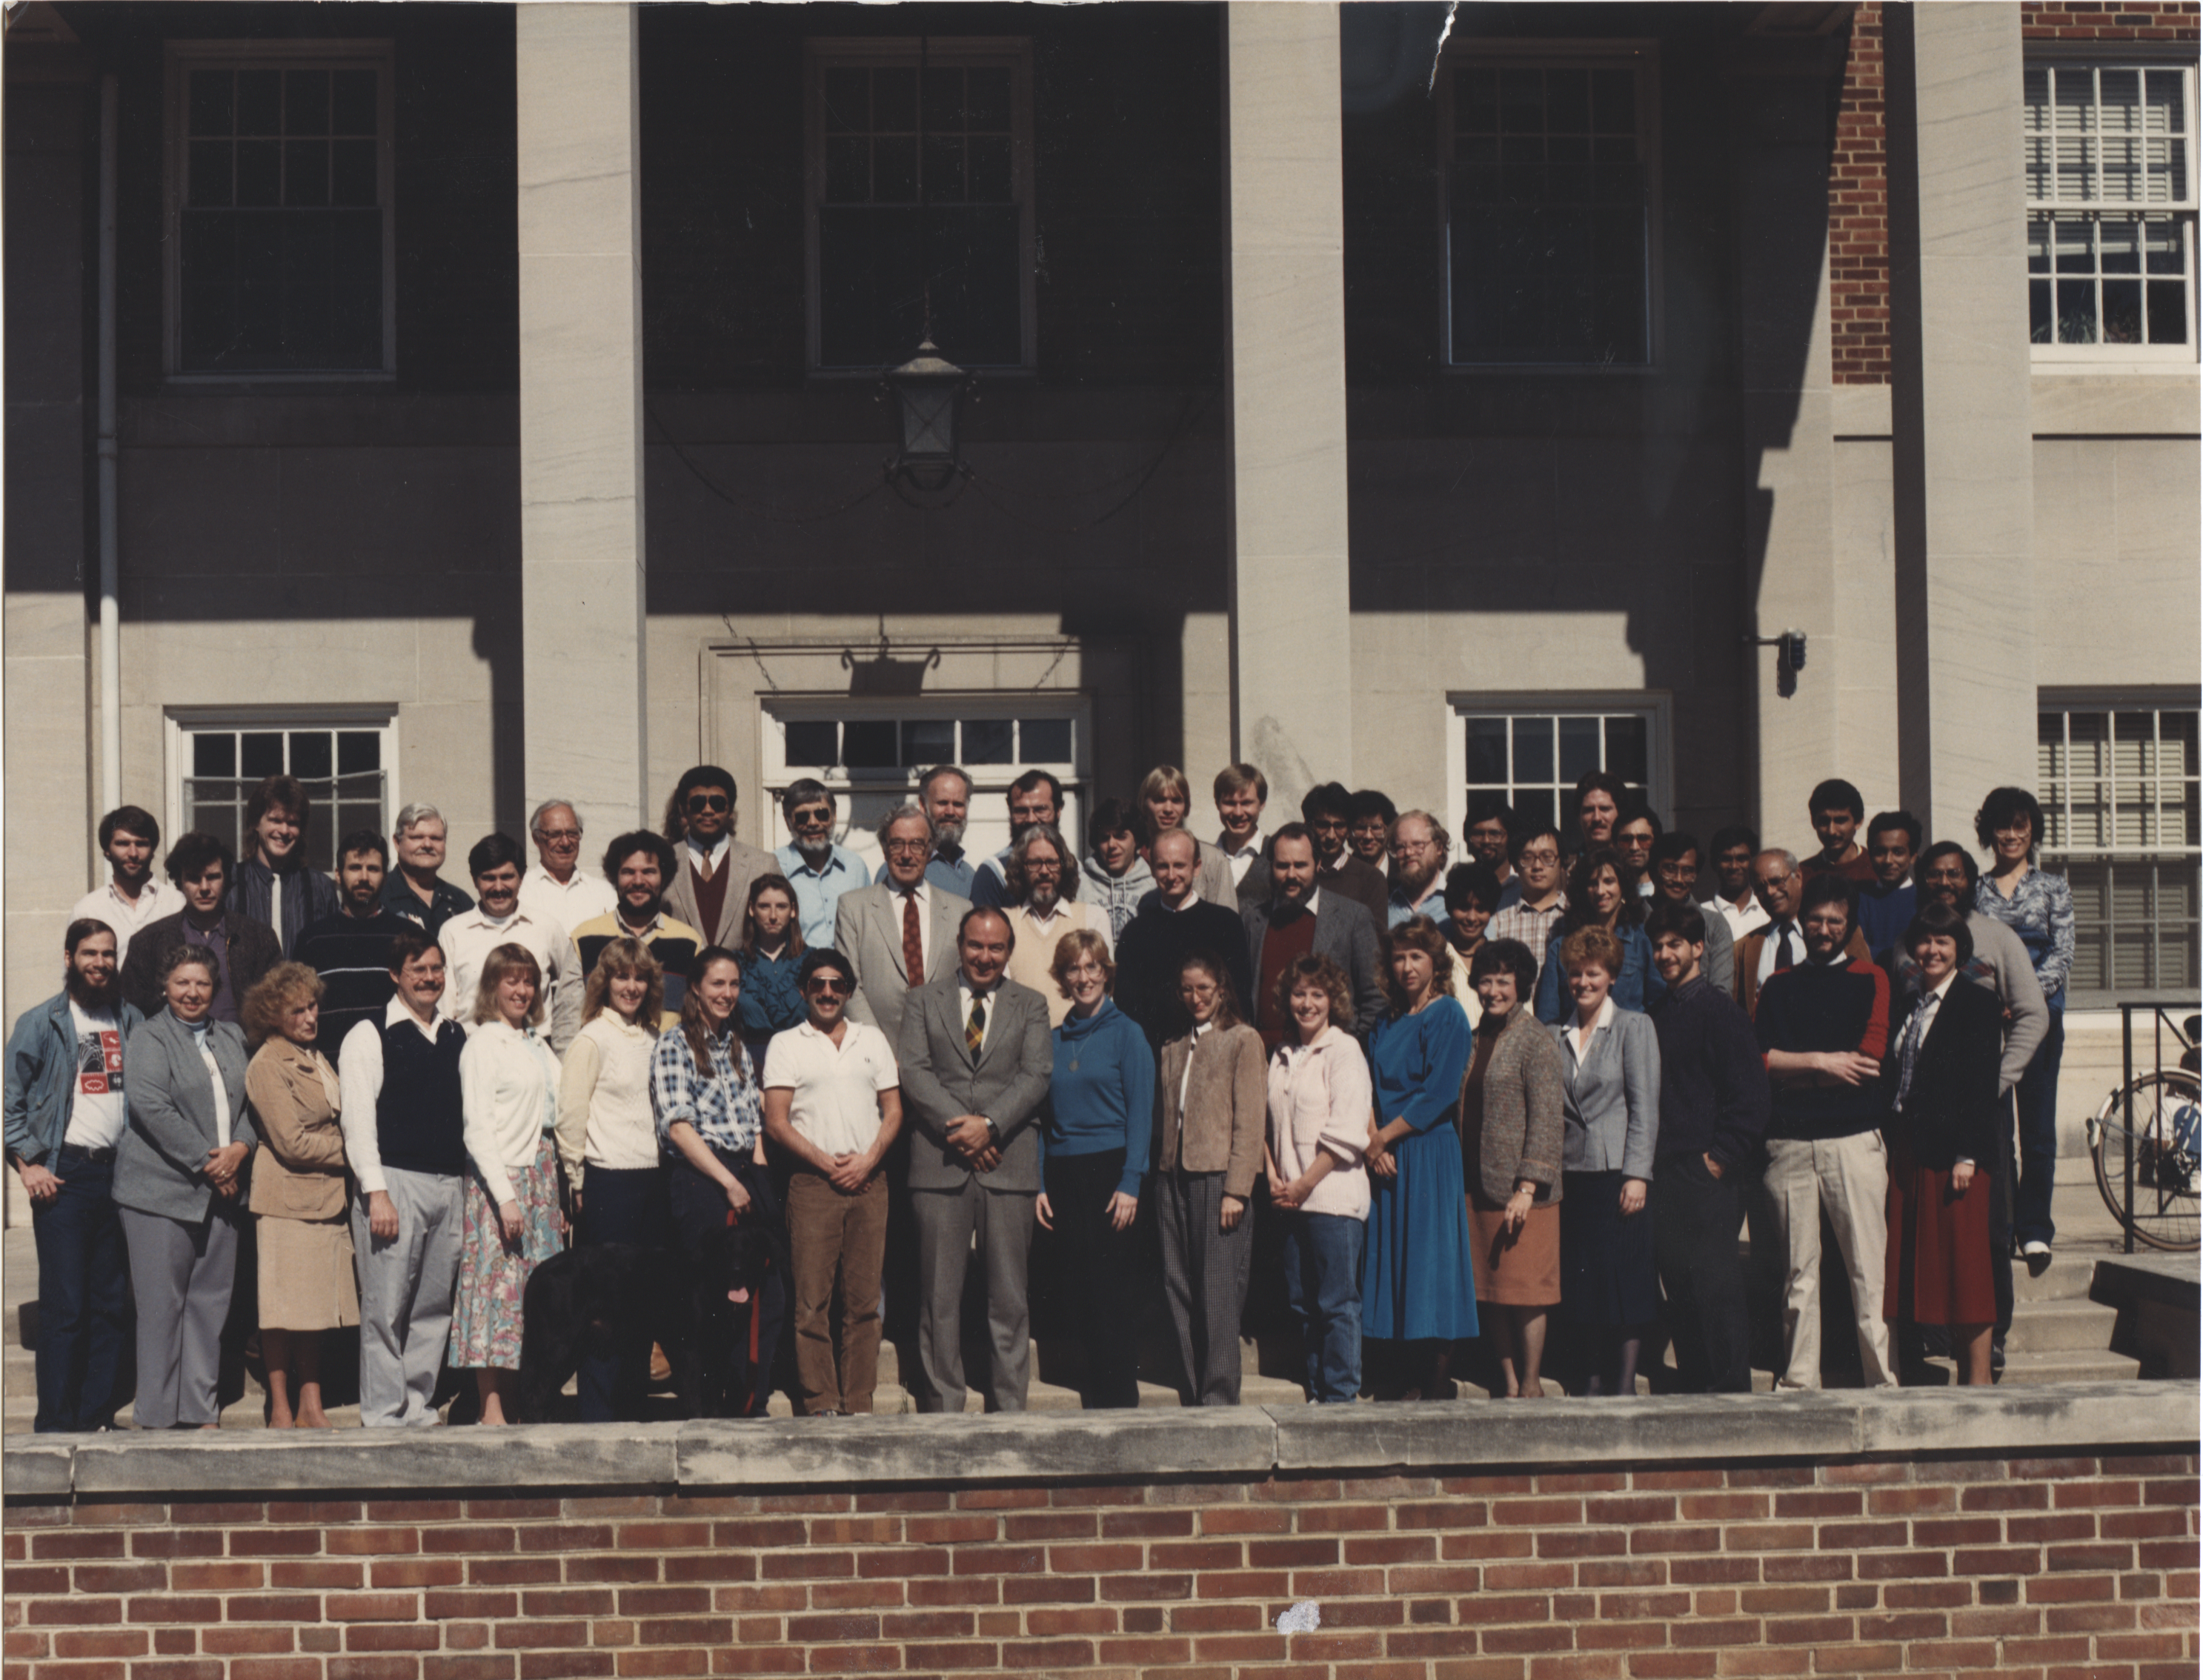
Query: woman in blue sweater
{"points": [[1093, 1141], [772, 953], [1598, 897]]}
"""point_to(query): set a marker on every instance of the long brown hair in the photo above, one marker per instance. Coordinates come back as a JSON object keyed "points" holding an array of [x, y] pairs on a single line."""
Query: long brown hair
{"points": [[694, 1027], [762, 884]]}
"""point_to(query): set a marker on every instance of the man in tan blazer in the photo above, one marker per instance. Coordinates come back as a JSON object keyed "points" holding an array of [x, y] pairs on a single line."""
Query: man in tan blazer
{"points": [[710, 884], [875, 926]]}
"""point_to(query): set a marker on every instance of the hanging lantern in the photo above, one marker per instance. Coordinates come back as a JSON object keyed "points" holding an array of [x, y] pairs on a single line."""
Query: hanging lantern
{"points": [[927, 388]]}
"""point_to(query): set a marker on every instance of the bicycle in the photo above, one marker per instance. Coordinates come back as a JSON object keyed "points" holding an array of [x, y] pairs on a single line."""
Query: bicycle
{"points": [[2161, 1145]]}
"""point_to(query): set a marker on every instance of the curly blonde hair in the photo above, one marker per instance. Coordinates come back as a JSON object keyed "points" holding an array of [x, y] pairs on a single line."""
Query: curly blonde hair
{"points": [[282, 989], [1588, 947], [625, 959]]}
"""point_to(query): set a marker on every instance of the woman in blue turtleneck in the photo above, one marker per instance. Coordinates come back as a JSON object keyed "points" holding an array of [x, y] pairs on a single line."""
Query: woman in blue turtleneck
{"points": [[1093, 1141]]}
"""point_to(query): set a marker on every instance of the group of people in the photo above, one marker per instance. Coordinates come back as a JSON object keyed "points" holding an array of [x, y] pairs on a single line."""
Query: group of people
{"points": [[1545, 1085]]}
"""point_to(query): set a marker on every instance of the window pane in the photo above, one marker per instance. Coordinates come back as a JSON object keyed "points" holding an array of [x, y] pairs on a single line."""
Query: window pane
{"points": [[870, 746], [260, 754], [1487, 752], [306, 102], [312, 753], [2076, 312], [306, 171], [844, 100], [259, 172], [2168, 311], [259, 102], [209, 167], [1533, 750], [928, 742], [1580, 753], [214, 754], [987, 97], [894, 102], [352, 170], [211, 102], [811, 743], [359, 750], [1045, 740], [1624, 749], [353, 102], [989, 741]]}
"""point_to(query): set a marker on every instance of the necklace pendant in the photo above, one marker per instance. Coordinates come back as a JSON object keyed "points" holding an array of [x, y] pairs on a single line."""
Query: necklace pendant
{"points": [[1074, 1066]]}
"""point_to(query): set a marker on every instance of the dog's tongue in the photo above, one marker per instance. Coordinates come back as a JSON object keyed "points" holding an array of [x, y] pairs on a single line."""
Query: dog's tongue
{"points": [[738, 1297]]}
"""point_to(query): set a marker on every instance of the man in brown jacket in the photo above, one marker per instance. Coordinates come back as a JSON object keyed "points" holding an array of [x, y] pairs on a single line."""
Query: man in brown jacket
{"points": [[1779, 881]]}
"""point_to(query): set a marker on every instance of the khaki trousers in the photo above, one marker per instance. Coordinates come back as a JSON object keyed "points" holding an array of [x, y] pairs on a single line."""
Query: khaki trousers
{"points": [[835, 1246], [1850, 1178]]}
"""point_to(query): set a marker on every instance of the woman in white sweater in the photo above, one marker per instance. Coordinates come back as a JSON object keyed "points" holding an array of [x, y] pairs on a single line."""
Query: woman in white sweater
{"points": [[509, 1084], [608, 1146]]}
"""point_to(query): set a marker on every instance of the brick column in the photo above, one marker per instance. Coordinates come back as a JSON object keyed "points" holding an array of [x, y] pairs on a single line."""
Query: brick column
{"points": [[1963, 466], [582, 627], [1291, 660]]}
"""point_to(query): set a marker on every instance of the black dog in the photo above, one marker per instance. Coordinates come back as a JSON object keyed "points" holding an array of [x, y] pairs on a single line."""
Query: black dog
{"points": [[609, 1300], [718, 1371]]}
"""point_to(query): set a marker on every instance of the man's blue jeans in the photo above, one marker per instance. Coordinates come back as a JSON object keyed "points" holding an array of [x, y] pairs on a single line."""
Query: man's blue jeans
{"points": [[1323, 1285], [84, 1295]]}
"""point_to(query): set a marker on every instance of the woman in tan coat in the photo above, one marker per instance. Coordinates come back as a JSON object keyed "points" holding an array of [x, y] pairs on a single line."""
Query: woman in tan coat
{"points": [[1213, 1092], [298, 1191]]}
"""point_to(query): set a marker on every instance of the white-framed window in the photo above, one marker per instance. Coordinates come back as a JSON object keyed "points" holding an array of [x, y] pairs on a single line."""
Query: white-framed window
{"points": [[918, 171], [872, 753], [2110, 210], [2122, 822], [1529, 750], [281, 257], [1549, 158], [346, 756]]}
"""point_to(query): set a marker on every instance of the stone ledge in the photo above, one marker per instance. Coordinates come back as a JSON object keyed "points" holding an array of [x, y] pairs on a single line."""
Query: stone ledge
{"points": [[1041, 1447]]}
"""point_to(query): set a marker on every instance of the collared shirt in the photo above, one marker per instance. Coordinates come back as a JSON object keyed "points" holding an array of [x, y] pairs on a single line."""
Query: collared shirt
{"points": [[922, 892], [202, 1032], [947, 869], [1243, 859], [1202, 1029], [1770, 952], [1747, 918], [103, 904], [2040, 911], [834, 1100], [963, 996], [1431, 907], [1533, 928], [707, 861], [1580, 1035], [1046, 925], [578, 899], [359, 1086], [216, 939], [445, 902], [469, 938], [722, 1103], [817, 890], [1916, 1034], [97, 1115]]}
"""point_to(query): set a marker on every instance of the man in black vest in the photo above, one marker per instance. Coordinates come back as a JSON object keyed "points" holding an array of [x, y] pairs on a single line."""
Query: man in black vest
{"points": [[406, 1142]]}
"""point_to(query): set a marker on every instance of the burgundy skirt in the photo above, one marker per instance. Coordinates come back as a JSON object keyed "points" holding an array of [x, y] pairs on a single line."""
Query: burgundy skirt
{"points": [[1938, 1260]]}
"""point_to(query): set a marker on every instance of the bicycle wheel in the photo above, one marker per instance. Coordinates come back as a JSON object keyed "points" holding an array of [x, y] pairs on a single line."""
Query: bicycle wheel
{"points": [[2163, 1143]]}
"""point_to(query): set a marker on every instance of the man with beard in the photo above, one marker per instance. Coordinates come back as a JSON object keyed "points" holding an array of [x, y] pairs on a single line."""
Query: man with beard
{"points": [[1780, 946], [1172, 923], [1673, 872], [1946, 875], [1488, 838], [496, 920], [65, 1115], [243, 949], [1420, 847], [637, 865], [1043, 888], [350, 949], [129, 839], [708, 885], [1034, 797], [818, 870], [274, 885], [945, 796], [1300, 918], [1600, 797]]}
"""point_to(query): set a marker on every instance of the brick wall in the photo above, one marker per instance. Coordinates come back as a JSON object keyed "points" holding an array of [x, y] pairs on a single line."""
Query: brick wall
{"points": [[1858, 236], [2035, 1567]]}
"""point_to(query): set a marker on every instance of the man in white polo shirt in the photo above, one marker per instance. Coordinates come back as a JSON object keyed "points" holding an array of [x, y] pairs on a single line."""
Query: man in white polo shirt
{"points": [[833, 1102]]}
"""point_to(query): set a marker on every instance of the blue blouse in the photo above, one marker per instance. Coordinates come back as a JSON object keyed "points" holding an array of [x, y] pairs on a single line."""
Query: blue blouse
{"points": [[1103, 1093], [1634, 987], [772, 999], [2040, 911]]}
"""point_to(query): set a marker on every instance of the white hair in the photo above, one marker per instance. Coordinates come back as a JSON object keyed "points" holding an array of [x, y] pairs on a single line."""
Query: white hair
{"points": [[417, 813], [535, 822]]}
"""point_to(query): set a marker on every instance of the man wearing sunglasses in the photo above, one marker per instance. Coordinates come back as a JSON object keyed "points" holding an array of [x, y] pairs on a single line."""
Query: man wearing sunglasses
{"points": [[818, 868], [711, 885], [833, 1106]]}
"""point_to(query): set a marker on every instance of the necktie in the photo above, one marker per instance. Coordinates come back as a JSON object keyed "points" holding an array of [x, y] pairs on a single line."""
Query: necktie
{"points": [[1916, 1029], [913, 941], [975, 1026], [1782, 957]]}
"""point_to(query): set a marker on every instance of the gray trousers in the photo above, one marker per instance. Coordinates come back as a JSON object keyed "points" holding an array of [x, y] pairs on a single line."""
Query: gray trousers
{"points": [[405, 1287], [182, 1275], [1204, 1281], [949, 1222]]}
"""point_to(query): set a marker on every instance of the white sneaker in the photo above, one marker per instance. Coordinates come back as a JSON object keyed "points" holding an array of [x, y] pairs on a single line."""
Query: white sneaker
{"points": [[2028, 1251]]}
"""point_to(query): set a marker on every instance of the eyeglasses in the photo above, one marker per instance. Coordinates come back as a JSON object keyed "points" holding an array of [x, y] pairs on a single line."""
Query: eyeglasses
{"points": [[709, 801], [1541, 856], [908, 848], [812, 816], [831, 985], [559, 837]]}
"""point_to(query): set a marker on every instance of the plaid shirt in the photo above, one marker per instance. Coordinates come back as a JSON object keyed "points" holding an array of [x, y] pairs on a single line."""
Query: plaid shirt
{"points": [[1534, 928], [723, 1108]]}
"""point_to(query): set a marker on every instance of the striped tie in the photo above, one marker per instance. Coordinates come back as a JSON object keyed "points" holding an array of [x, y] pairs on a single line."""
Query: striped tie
{"points": [[975, 1028]]}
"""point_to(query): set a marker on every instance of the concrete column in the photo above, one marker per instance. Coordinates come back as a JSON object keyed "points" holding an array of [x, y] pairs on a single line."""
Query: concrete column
{"points": [[1291, 668], [1963, 469], [582, 627], [1780, 125]]}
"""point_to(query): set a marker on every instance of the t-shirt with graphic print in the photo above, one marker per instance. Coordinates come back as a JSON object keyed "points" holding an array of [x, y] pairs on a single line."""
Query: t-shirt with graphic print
{"points": [[95, 1112]]}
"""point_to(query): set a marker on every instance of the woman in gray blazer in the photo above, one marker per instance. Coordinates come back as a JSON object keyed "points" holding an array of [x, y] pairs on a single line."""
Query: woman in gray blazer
{"points": [[178, 1171], [1610, 1116]]}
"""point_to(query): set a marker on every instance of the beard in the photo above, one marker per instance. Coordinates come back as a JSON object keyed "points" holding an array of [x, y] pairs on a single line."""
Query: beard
{"points": [[83, 993], [947, 834], [1417, 882]]}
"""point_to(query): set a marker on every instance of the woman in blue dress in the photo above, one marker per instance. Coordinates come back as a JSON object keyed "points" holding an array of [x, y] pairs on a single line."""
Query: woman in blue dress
{"points": [[1418, 1287], [1599, 897]]}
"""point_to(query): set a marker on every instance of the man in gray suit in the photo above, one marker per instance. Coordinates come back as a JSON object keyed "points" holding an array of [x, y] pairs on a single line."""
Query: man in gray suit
{"points": [[976, 1059], [881, 928], [1300, 919]]}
